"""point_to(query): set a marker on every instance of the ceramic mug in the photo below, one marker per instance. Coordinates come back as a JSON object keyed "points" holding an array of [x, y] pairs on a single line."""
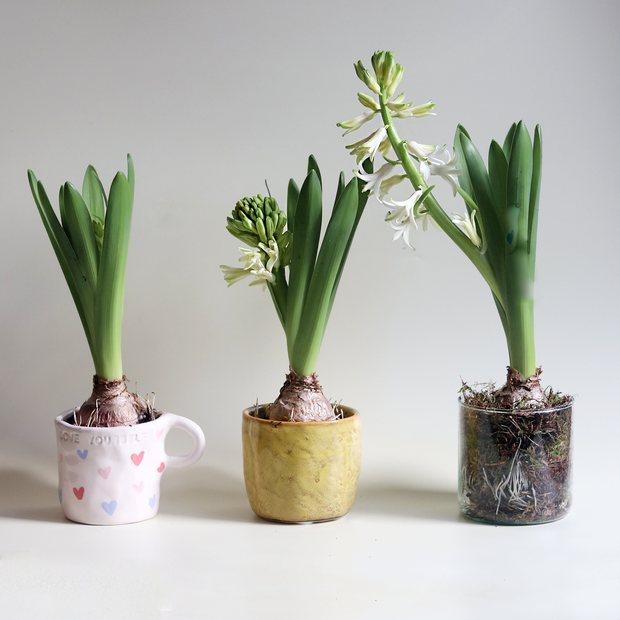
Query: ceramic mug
{"points": [[110, 476]]}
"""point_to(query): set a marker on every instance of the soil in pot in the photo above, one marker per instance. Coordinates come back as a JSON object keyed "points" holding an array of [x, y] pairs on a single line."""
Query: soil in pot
{"points": [[515, 459]]}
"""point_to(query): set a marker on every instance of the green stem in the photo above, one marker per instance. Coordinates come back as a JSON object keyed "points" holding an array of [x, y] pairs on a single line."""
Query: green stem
{"points": [[520, 313], [433, 207]]}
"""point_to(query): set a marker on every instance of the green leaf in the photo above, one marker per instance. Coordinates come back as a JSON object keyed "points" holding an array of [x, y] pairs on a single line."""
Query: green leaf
{"points": [[93, 194], [292, 197], [464, 180], [111, 281], [498, 169], [534, 198], [507, 148], [340, 188], [305, 245], [362, 199], [131, 176], [313, 165], [329, 261], [80, 291], [518, 184], [487, 209], [81, 234]]}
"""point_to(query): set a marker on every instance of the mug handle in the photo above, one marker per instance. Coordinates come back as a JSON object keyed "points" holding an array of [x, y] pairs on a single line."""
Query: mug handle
{"points": [[177, 421]]}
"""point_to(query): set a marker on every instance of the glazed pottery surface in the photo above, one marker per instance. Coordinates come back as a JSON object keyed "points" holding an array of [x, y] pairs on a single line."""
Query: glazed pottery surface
{"points": [[110, 476], [301, 471]]}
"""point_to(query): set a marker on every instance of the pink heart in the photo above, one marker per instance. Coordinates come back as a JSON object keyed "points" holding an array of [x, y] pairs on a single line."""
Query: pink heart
{"points": [[138, 488], [158, 433], [79, 493], [137, 458], [161, 468], [61, 458], [105, 472]]}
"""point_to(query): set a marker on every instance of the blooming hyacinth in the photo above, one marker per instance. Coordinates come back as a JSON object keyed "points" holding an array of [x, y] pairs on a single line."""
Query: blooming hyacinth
{"points": [[425, 160]]}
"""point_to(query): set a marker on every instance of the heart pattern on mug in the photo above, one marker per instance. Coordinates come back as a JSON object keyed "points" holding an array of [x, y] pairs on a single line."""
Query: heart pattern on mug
{"points": [[138, 488], [72, 476], [79, 493], [158, 433], [104, 473], [161, 467], [82, 455], [152, 501], [137, 458], [110, 508]]}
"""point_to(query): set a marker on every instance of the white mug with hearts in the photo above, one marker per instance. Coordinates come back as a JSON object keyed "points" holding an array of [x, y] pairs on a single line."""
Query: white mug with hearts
{"points": [[110, 476]]}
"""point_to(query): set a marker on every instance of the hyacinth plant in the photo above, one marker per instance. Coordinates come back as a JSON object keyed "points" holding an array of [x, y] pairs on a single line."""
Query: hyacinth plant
{"points": [[91, 243], [497, 232], [284, 256]]}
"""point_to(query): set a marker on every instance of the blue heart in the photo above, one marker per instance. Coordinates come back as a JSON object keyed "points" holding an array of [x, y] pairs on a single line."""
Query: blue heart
{"points": [[152, 502], [110, 508], [82, 455], [511, 236], [60, 495]]}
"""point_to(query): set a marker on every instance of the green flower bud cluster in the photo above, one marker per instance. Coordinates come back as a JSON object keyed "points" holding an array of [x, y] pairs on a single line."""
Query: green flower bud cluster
{"points": [[259, 220], [388, 75]]}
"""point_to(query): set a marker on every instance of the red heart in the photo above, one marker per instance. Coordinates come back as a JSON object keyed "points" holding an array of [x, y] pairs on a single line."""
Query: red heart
{"points": [[161, 468], [137, 458], [79, 493]]}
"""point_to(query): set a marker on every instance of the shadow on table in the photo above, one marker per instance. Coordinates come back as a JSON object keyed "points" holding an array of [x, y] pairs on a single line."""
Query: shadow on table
{"points": [[207, 493], [24, 495], [403, 501]]}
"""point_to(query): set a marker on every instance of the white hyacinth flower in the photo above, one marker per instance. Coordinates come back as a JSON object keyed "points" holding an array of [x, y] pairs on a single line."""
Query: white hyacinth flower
{"points": [[368, 147], [273, 254], [253, 259], [468, 225], [388, 184], [402, 217], [232, 275], [406, 110], [421, 151], [357, 122], [376, 178], [441, 163]]}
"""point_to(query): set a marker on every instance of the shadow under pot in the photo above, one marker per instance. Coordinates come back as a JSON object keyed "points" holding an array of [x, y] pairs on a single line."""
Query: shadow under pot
{"points": [[515, 466], [300, 472], [111, 476]]}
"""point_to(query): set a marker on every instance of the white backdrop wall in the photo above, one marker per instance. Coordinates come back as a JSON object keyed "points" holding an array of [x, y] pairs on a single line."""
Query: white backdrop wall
{"points": [[212, 98]]}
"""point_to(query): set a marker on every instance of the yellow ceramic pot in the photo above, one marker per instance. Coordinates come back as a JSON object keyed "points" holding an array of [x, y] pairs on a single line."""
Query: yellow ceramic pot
{"points": [[301, 471]]}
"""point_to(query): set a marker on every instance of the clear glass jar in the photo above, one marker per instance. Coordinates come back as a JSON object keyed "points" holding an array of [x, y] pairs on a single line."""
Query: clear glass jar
{"points": [[515, 466]]}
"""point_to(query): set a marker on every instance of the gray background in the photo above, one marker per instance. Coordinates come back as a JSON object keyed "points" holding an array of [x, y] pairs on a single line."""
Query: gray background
{"points": [[211, 98]]}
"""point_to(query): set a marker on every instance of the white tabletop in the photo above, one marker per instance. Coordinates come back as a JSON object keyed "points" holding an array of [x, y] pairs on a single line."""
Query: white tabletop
{"points": [[401, 552]]}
